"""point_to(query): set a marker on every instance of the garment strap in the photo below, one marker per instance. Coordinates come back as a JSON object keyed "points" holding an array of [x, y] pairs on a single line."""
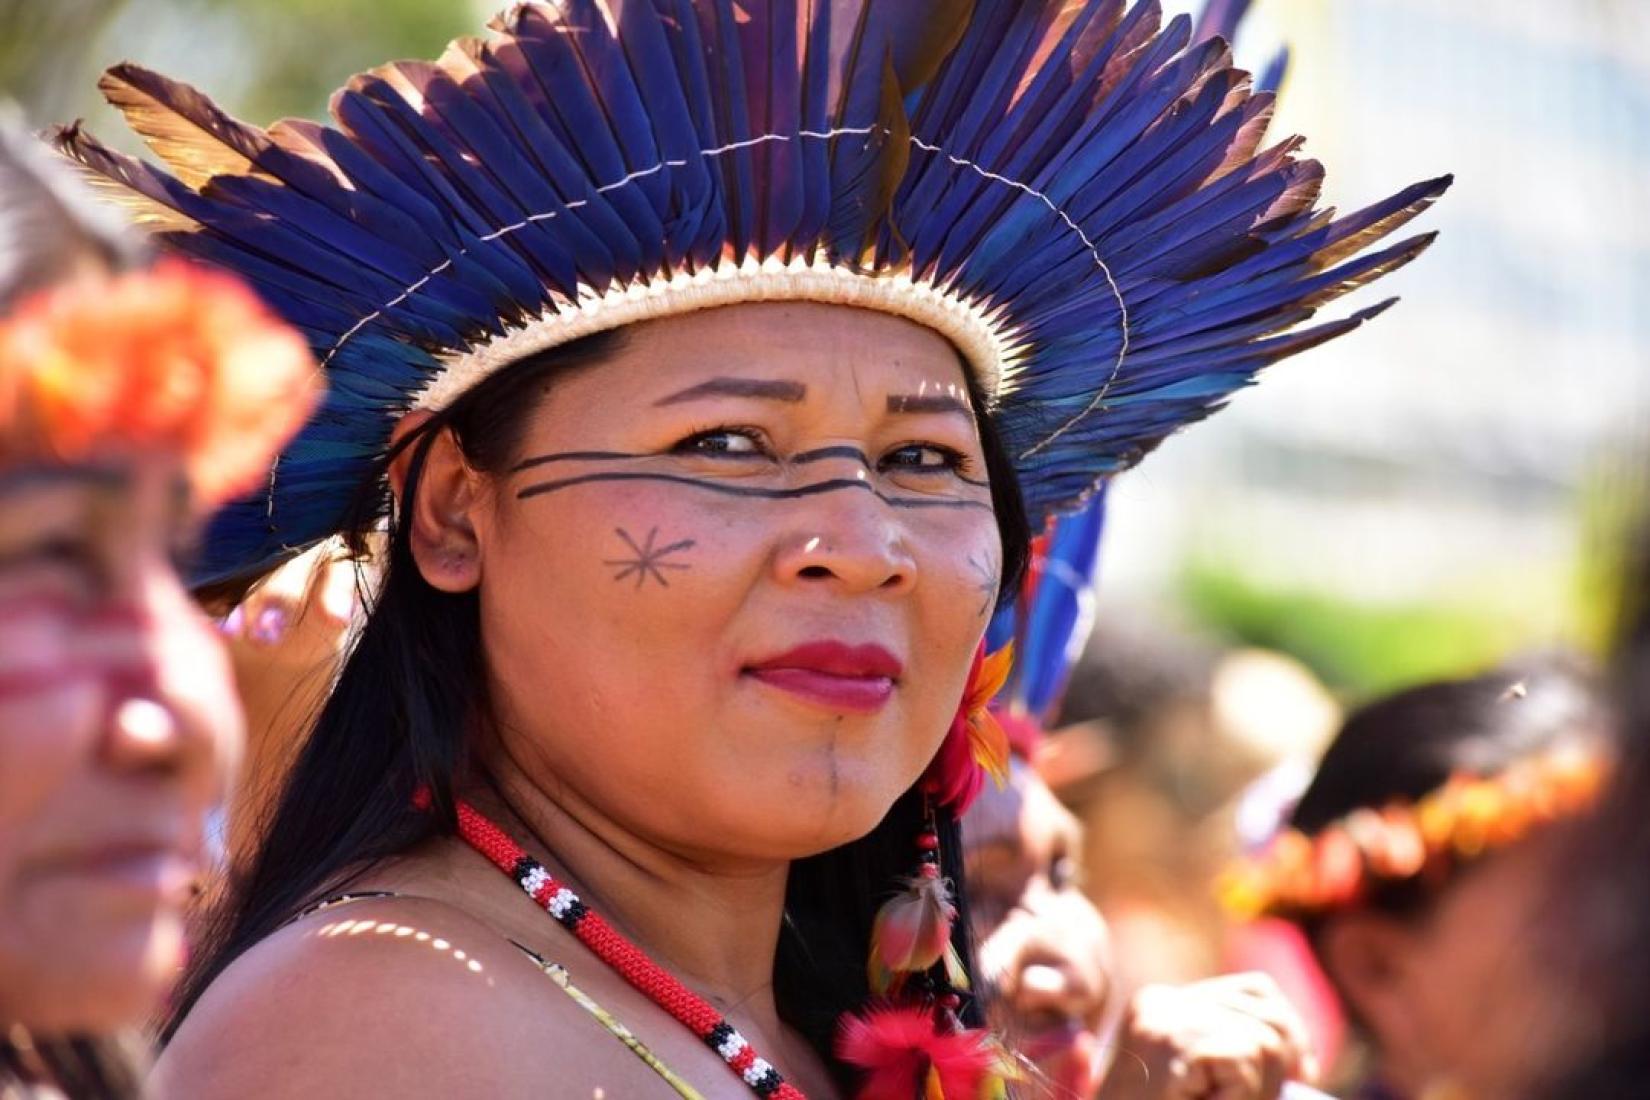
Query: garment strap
{"points": [[558, 974]]}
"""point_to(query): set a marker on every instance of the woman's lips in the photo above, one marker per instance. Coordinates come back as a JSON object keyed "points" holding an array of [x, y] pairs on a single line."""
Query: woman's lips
{"points": [[140, 873], [835, 675]]}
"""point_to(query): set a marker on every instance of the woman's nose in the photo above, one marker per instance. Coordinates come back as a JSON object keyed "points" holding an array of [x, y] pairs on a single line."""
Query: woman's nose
{"points": [[850, 538], [161, 716], [144, 735], [1046, 985]]}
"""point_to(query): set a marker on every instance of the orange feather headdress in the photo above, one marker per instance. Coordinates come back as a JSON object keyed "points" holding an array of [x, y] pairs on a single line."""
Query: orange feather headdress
{"points": [[102, 357], [1302, 875]]}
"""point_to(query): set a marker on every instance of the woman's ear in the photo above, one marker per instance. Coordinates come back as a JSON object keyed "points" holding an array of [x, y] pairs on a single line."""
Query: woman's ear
{"points": [[441, 510]]}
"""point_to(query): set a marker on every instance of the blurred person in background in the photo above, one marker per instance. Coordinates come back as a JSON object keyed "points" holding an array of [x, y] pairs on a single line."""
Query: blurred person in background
{"points": [[1591, 1036], [132, 400], [1046, 955], [1046, 958], [287, 637], [1159, 733], [1418, 863], [1594, 1007]]}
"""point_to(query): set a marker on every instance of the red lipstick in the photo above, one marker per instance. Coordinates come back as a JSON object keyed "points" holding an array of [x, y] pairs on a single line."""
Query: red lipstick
{"points": [[834, 675]]}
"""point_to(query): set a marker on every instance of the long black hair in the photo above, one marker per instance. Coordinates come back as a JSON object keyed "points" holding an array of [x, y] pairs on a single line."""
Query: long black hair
{"points": [[413, 684], [80, 1067]]}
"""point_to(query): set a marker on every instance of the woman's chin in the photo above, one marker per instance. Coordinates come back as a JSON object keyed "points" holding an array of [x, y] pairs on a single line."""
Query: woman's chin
{"points": [[811, 805], [832, 802], [99, 983]]}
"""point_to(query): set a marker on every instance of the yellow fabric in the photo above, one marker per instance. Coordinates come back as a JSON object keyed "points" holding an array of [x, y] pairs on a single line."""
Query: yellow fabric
{"points": [[558, 974]]}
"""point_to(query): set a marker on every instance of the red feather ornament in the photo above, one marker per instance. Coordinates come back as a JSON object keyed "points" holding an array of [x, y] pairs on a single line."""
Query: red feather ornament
{"points": [[905, 1056], [975, 745]]}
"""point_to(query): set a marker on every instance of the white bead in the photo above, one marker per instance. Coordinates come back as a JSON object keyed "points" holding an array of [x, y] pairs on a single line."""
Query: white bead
{"points": [[731, 1046], [560, 901], [535, 879]]}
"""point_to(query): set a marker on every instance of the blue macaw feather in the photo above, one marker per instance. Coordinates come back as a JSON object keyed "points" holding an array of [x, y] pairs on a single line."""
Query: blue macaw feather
{"points": [[1047, 109], [372, 114], [731, 100], [1042, 156], [1220, 19], [974, 205], [1055, 610], [1271, 77], [814, 155], [934, 187], [572, 56], [320, 225], [502, 176], [694, 213], [536, 57], [455, 170], [369, 181], [773, 88], [599, 239]]}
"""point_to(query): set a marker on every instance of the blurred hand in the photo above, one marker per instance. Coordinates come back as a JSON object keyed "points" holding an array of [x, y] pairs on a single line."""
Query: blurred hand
{"points": [[1228, 1038], [286, 639], [298, 614]]}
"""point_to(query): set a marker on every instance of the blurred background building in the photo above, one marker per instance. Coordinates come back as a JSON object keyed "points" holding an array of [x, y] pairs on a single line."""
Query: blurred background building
{"points": [[1417, 499], [1445, 485]]}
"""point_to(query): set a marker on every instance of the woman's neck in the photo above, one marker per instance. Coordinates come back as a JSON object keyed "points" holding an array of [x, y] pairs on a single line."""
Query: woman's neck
{"points": [[715, 925]]}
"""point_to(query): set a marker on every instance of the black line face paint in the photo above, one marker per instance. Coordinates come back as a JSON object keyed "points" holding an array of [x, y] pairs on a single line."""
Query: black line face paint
{"points": [[648, 561], [986, 577], [571, 456], [822, 453], [750, 491], [800, 459]]}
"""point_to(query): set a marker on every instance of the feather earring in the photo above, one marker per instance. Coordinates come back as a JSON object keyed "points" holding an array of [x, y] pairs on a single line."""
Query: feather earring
{"points": [[912, 932], [911, 1045]]}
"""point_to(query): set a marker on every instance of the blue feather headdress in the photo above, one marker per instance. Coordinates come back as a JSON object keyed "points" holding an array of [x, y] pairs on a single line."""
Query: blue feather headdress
{"points": [[1077, 195]]}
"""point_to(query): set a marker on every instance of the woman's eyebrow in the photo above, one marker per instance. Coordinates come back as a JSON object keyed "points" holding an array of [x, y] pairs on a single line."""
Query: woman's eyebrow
{"points": [[928, 403], [48, 474], [767, 389]]}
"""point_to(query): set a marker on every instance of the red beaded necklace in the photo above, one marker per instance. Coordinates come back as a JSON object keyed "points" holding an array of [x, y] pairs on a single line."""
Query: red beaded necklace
{"points": [[623, 956]]}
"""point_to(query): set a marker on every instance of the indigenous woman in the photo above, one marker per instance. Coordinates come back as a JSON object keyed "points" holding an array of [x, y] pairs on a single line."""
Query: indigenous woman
{"points": [[132, 399], [708, 361], [1420, 864]]}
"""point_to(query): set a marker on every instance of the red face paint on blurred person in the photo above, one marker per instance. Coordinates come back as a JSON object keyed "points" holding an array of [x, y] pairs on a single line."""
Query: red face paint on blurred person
{"points": [[117, 727]]}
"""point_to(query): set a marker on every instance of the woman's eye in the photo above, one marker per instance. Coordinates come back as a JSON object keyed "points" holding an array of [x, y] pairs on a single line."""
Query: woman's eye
{"points": [[924, 457], [1063, 873], [723, 443], [64, 551]]}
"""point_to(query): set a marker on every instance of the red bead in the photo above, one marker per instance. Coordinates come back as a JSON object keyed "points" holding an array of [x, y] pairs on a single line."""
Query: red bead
{"points": [[930, 870], [630, 961], [950, 1001], [928, 842]]}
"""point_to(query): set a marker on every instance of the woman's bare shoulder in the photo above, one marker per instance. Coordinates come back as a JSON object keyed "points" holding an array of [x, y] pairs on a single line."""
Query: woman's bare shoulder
{"points": [[402, 996]]}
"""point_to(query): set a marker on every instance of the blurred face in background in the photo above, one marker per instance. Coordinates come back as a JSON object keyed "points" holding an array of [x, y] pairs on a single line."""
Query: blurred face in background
{"points": [[117, 727], [1042, 944], [1456, 997]]}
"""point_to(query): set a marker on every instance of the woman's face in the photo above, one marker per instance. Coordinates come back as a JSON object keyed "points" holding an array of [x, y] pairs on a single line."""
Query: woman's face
{"points": [[117, 725], [730, 595], [1479, 1009], [1042, 944]]}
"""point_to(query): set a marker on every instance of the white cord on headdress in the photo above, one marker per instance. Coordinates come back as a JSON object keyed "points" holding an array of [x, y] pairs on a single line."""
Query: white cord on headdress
{"points": [[987, 344]]}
